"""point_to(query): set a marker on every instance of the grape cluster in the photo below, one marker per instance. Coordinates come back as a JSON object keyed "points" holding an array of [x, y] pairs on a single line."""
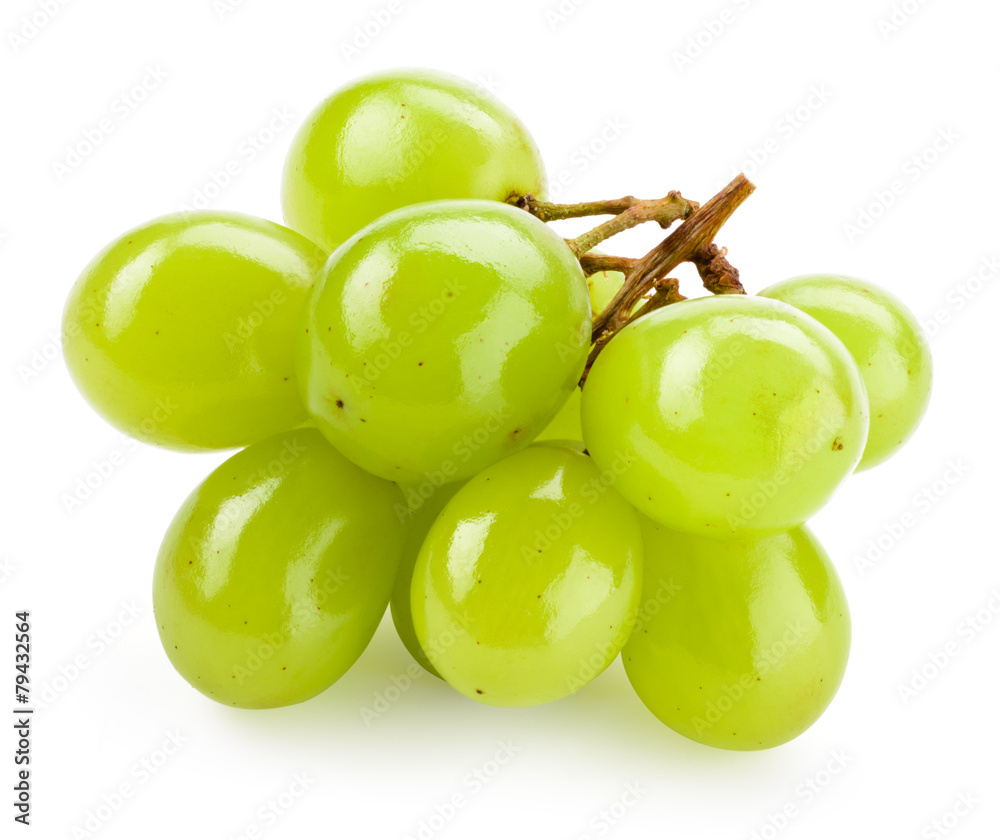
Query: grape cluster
{"points": [[402, 365]]}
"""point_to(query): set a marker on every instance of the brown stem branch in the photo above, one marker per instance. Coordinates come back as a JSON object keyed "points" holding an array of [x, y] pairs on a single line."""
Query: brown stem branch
{"points": [[664, 211], [593, 263], [685, 243]]}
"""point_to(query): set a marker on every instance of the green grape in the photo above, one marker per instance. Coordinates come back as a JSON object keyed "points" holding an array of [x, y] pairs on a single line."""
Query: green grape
{"points": [[725, 416], [425, 503], [181, 332], [885, 340], [276, 571], [526, 586], [604, 285], [739, 644], [442, 338], [566, 425], [400, 138]]}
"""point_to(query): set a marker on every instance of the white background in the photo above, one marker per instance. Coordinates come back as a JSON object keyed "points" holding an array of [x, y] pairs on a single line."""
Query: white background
{"points": [[885, 96]]}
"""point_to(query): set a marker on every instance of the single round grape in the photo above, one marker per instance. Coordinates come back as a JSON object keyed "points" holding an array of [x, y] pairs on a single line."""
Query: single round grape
{"points": [[425, 503], [526, 586], [399, 138], [442, 338], [739, 644], [181, 332], [726, 415], [886, 341], [604, 285], [276, 571]]}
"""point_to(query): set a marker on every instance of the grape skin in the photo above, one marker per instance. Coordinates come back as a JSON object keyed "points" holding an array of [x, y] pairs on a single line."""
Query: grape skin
{"points": [[422, 513], [887, 343], [276, 571], [526, 586], [442, 338], [399, 138], [180, 332], [749, 639], [726, 415]]}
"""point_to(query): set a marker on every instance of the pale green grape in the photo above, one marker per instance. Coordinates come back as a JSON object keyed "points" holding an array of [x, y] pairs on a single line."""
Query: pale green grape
{"points": [[181, 331], [442, 338], [400, 138], [726, 415], [887, 343], [276, 571], [527, 584], [566, 424], [604, 285], [739, 644], [425, 503]]}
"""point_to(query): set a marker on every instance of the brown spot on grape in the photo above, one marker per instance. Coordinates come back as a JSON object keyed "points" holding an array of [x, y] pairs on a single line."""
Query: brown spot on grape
{"points": [[340, 403], [479, 691], [838, 443]]}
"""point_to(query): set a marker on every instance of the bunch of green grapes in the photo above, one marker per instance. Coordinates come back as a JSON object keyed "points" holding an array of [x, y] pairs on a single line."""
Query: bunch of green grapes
{"points": [[427, 421]]}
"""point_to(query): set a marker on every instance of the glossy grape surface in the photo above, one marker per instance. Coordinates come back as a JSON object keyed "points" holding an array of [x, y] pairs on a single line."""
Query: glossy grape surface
{"points": [[425, 503], [527, 584], [726, 415], [401, 138], [740, 644], [276, 571], [442, 338], [886, 341], [181, 332]]}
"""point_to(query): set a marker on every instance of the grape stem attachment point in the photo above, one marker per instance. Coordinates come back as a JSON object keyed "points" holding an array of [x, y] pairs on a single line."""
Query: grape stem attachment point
{"points": [[647, 286]]}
